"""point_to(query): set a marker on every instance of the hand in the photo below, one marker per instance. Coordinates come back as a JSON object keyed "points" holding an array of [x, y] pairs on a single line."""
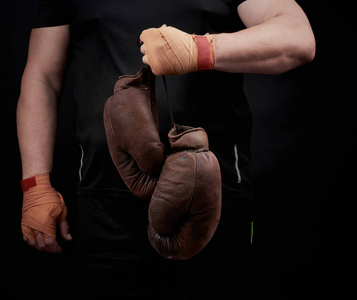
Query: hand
{"points": [[170, 51], [48, 243], [42, 208], [142, 50]]}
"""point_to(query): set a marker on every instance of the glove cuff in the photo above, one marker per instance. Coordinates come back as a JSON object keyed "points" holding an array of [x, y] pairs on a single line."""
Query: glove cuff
{"points": [[43, 179]]}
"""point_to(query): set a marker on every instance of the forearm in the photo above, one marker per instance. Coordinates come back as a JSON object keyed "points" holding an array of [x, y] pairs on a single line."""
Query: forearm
{"points": [[273, 47], [36, 124], [37, 106]]}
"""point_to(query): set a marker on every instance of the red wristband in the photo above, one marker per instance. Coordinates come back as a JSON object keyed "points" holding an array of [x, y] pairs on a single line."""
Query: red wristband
{"points": [[204, 53], [28, 183]]}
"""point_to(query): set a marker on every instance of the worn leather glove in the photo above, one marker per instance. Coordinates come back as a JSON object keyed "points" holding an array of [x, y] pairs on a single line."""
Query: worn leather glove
{"points": [[185, 208], [131, 126], [184, 189]]}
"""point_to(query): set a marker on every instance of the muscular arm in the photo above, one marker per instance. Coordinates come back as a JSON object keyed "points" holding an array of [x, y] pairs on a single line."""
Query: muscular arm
{"points": [[37, 106], [278, 38]]}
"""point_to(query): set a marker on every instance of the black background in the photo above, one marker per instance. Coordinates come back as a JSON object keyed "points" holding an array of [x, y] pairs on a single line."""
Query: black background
{"points": [[303, 150]]}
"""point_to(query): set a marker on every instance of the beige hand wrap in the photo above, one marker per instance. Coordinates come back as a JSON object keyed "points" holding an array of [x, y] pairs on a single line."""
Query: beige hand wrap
{"points": [[42, 207], [171, 51]]}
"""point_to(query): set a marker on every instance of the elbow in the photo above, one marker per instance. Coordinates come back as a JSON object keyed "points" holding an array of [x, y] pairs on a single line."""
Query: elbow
{"points": [[307, 51], [304, 49], [299, 46], [295, 56]]}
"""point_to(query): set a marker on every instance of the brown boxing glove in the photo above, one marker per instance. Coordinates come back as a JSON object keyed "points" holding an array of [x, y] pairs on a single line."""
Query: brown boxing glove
{"points": [[185, 189], [186, 205], [131, 126]]}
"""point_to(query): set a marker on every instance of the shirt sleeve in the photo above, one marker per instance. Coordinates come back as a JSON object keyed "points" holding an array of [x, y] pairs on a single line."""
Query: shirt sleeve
{"points": [[50, 13]]}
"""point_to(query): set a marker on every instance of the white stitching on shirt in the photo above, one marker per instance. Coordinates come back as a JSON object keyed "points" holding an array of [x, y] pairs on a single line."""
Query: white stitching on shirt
{"points": [[81, 164], [236, 163]]}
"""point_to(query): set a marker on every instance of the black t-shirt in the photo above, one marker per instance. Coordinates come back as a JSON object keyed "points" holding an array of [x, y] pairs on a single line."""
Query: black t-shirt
{"points": [[104, 37]]}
